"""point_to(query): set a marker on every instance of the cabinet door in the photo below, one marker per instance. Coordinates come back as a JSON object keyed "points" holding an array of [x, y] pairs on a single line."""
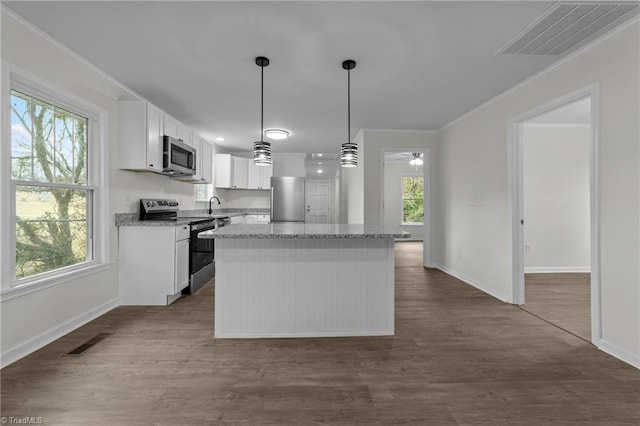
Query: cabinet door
{"points": [[265, 177], [154, 138], [206, 175], [184, 134], [237, 220], [170, 126], [196, 142], [181, 268], [239, 172], [254, 176], [223, 170]]}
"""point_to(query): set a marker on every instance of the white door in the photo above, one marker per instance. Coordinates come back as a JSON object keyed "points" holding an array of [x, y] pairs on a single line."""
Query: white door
{"points": [[318, 208]]}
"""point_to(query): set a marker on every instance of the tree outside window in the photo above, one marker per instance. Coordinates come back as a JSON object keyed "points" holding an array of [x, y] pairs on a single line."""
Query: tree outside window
{"points": [[412, 199], [53, 198]]}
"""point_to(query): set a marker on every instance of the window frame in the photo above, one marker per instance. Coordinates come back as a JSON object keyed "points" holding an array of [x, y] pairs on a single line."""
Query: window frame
{"points": [[402, 176], [96, 186]]}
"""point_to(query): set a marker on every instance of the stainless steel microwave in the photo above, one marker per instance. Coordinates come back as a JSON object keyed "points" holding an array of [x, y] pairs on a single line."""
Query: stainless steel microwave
{"points": [[179, 159]]}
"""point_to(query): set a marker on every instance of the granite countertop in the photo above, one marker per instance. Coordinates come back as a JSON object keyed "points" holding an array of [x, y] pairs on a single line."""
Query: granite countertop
{"points": [[185, 216], [304, 231]]}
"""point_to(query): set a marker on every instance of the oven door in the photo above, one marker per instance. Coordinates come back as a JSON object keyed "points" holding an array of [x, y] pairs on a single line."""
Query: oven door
{"points": [[201, 256], [201, 250]]}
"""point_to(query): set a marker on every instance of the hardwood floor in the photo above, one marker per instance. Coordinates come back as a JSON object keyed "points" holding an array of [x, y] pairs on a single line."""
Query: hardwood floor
{"points": [[562, 299], [459, 357]]}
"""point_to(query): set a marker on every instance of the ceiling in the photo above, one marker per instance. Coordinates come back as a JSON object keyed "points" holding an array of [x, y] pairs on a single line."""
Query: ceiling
{"points": [[420, 64]]}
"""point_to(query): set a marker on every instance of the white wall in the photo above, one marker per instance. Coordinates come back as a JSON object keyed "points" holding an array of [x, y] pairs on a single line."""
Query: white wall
{"points": [[393, 173], [34, 319], [556, 198], [289, 164], [474, 241]]}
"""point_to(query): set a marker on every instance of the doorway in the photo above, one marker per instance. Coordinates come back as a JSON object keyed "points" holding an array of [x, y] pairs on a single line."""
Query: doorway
{"points": [[403, 193], [554, 215]]}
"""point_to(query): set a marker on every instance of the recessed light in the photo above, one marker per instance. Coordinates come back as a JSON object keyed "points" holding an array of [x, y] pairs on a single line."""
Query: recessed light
{"points": [[277, 134], [320, 163], [319, 170], [319, 155], [220, 139]]}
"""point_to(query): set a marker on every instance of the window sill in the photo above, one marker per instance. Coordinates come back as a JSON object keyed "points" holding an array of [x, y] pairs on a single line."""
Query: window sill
{"points": [[34, 286]]}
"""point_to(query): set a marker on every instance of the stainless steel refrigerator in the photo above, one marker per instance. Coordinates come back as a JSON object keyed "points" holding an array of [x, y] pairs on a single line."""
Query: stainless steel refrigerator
{"points": [[287, 199]]}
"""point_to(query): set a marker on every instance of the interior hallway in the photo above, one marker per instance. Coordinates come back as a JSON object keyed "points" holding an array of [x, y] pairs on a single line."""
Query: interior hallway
{"points": [[458, 357]]}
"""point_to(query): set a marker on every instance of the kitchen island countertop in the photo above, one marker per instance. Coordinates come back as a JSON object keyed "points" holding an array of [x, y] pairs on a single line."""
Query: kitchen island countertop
{"points": [[304, 231]]}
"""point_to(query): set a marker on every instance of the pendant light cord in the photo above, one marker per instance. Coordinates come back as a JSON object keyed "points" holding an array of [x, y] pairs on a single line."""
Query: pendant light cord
{"points": [[261, 103], [348, 105]]}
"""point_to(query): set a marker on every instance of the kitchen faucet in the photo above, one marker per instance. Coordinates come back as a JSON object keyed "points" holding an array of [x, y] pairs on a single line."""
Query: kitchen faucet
{"points": [[217, 199]]}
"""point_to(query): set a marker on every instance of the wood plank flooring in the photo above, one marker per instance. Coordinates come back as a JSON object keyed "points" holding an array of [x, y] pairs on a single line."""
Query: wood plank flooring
{"points": [[459, 357], [562, 299]]}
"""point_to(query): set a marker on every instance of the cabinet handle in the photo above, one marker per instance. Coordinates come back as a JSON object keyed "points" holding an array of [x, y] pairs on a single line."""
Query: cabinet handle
{"points": [[150, 165]]}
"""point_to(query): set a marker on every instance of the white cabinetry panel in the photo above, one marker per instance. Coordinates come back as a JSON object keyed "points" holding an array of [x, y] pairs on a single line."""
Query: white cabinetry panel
{"points": [[140, 131], [259, 177], [153, 264], [304, 287], [231, 171]]}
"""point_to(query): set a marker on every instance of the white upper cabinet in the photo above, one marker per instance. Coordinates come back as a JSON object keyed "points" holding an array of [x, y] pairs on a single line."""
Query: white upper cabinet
{"points": [[175, 129], [240, 170], [259, 177], [140, 131], [206, 176], [231, 171]]}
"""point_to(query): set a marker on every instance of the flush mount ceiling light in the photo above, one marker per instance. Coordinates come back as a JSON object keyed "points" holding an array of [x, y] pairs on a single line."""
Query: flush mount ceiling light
{"points": [[276, 134], [262, 149], [416, 159], [349, 150]]}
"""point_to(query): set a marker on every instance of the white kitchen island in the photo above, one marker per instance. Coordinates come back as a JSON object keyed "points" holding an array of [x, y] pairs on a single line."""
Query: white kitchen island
{"points": [[303, 280]]}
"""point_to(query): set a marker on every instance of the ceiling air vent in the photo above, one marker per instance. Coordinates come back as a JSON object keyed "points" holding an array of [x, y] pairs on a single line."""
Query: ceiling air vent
{"points": [[567, 25]]}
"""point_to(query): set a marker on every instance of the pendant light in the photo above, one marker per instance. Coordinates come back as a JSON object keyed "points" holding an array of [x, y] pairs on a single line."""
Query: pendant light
{"points": [[349, 150], [262, 149]]}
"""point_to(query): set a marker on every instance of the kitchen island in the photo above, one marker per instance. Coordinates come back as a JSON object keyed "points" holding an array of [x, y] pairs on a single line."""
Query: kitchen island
{"points": [[303, 280]]}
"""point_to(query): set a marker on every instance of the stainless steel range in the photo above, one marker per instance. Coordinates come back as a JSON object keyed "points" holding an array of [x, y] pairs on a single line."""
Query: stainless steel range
{"points": [[201, 251]]}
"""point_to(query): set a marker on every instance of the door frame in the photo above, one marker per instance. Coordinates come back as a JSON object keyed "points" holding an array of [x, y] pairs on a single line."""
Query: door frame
{"points": [[516, 197], [426, 225]]}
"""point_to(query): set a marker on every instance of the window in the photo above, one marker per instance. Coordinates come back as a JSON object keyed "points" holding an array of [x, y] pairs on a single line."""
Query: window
{"points": [[204, 191], [52, 188], [412, 199]]}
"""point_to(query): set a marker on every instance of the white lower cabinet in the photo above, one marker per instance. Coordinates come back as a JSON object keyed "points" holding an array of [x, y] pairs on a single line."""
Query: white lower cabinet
{"points": [[238, 219], [256, 218], [153, 264]]}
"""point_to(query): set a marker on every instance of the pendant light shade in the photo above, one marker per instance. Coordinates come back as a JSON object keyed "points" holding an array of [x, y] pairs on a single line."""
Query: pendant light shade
{"points": [[262, 149], [349, 150]]}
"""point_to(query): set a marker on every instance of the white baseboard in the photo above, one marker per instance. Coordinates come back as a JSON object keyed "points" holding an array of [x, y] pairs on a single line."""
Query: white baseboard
{"points": [[620, 353], [557, 269], [472, 283], [12, 355]]}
